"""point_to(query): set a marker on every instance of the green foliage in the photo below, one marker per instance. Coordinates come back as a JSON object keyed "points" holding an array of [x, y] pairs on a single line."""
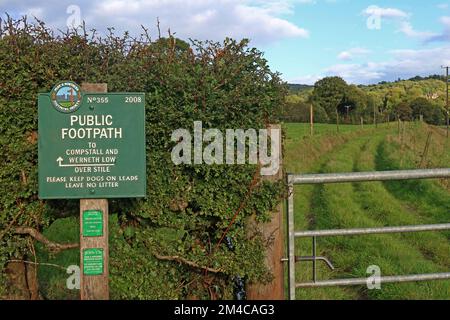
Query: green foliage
{"points": [[354, 98], [403, 111], [329, 94], [430, 112], [224, 85], [300, 112], [371, 204], [52, 279], [332, 95]]}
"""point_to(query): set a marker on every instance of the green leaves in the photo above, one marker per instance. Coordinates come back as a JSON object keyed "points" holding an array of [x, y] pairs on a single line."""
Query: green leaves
{"points": [[225, 85]]}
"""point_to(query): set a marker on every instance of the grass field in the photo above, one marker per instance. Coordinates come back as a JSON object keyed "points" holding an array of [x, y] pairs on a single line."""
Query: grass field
{"points": [[65, 104], [372, 204]]}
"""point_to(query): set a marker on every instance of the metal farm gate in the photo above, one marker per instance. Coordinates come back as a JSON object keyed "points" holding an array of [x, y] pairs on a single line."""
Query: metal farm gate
{"points": [[353, 177]]}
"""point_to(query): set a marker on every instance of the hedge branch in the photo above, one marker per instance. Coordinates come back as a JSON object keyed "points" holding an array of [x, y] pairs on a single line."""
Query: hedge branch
{"points": [[37, 263], [52, 246], [187, 262]]}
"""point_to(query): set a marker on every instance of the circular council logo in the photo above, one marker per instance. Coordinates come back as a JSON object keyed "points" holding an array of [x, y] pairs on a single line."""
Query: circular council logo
{"points": [[66, 96]]}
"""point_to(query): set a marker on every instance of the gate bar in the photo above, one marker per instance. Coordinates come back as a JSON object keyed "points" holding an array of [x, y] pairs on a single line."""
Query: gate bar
{"points": [[363, 281], [350, 232], [370, 176]]}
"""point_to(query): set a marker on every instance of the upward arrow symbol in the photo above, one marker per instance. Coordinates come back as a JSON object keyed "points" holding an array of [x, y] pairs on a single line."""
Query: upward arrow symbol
{"points": [[59, 160]]}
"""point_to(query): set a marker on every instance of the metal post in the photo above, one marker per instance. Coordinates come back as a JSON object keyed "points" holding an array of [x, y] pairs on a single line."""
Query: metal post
{"points": [[314, 258], [291, 239]]}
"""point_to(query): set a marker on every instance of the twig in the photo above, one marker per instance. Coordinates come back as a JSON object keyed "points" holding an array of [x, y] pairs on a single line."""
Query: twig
{"points": [[241, 206], [11, 224], [38, 263], [52, 246], [186, 262]]}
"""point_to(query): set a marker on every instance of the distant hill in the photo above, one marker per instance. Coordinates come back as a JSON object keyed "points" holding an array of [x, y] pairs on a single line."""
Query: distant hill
{"points": [[389, 98], [417, 78], [296, 88]]}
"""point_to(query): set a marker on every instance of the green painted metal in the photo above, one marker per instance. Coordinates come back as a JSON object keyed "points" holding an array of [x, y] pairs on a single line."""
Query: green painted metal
{"points": [[93, 262], [96, 151], [92, 223]]}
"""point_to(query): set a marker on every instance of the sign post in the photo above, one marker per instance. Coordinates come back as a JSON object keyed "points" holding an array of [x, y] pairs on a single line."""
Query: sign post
{"points": [[92, 147], [94, 246]]}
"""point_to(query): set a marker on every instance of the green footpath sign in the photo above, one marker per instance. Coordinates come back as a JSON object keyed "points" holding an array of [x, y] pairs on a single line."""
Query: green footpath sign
{"points": [[93, 262], [92, 223], [91, 145]]}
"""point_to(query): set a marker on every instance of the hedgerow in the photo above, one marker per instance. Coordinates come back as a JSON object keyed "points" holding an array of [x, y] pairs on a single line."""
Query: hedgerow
{"points": [[188, 207]]}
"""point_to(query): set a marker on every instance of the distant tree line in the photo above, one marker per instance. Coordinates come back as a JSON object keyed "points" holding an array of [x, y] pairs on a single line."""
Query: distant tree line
{"points": [[415, 99]]}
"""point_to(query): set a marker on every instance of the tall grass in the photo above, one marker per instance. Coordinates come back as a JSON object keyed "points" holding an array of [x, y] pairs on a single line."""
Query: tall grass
{"points": [[371, 204]]}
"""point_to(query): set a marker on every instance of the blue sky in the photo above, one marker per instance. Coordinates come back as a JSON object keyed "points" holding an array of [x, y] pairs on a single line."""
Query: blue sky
{"points": [[363, 41], [394, 39]]}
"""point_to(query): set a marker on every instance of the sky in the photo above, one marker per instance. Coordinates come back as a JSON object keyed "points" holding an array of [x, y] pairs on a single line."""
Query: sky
{"points": [[362, 41]]}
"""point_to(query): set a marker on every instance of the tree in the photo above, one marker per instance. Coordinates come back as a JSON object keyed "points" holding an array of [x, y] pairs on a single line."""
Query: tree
{"points": [[328, 94], [422, 107], [374, 103], [392, 98], [355, 100], [297, 111], [403, 111], [437, 116]]}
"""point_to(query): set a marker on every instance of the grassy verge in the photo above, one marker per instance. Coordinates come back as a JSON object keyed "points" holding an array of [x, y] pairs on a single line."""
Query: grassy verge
{"points": [[369, 205]]}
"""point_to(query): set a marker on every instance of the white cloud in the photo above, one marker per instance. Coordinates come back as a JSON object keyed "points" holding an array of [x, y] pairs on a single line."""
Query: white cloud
{"points": [[445, 21], [352, 53], [356, 73], [388, 13], [261, 21], [407, 29], [308, 79], [278, 6], [34, 12], [405, 63], [444, 35]]}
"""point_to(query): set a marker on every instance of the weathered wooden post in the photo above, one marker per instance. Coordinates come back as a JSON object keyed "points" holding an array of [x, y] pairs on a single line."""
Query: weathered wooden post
{"points": [[337, 120], [94, 244], [275, 252]]}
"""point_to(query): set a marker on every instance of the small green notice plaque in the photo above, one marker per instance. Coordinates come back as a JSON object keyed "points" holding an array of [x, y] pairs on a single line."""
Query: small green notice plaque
{"points": [[92, 223], [93, 262], [91, 145]]}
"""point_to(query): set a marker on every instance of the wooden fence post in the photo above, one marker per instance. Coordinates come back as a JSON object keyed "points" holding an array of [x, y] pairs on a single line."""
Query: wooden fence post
{"points": [[274, 253], [94, 287]]}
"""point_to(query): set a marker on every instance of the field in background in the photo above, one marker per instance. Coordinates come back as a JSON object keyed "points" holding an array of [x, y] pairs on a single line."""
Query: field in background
{"points": [[372, 204], [298, 131]]}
